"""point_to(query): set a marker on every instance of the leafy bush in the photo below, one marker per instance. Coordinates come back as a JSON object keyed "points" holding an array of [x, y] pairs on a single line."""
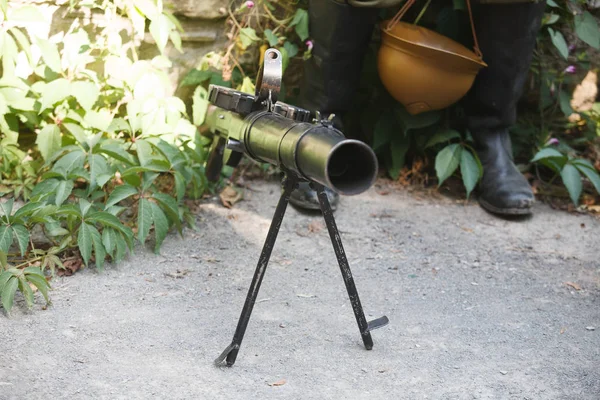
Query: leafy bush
{"points": [[90, 139]]}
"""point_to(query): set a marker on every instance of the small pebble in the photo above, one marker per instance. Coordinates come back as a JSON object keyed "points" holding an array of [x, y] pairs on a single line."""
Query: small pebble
{"points": [[590, 328], [504, 372]]}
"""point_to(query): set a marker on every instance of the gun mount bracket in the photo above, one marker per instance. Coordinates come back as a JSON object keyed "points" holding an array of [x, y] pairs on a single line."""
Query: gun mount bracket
{"points": [[290, 183], [244, 104]]}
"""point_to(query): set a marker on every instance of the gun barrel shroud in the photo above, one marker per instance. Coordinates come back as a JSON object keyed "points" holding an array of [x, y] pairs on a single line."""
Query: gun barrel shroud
{"points": [[315, 151]]}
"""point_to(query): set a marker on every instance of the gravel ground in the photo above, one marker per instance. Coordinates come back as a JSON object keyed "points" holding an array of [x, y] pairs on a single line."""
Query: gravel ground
{"points": [[479, 308]]}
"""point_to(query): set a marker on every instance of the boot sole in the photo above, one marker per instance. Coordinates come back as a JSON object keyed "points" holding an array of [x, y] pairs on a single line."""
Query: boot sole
{"points": [[505, 211]]}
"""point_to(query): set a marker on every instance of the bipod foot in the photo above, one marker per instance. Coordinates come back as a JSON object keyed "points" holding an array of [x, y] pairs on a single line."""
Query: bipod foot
{"points": [[364, 327], [230, 353]]}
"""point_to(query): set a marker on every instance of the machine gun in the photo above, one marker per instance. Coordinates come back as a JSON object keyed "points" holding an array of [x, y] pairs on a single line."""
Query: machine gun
{"points": [[280, 134]]}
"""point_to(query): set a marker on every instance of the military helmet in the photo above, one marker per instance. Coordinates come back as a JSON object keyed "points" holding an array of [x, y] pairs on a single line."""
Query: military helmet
{"points": [[422, 69]]}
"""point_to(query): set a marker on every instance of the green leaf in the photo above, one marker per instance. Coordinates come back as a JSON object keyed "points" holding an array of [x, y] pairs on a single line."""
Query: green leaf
{"points": [[48, 140], [447, 161], [120, 251], [565, 103], [70, 161], [22, 236], [8, 294], [108, 220], [144, 220], [100, 119], [144, 152], [552, 3], [442, 136], [398, 148], [41, 283], [300, 24], [84, 206], [54, 229], [271, 38], [559, 42], [63, 191], [44, 189], [27, 14], [469, 169], [77, 131], [247, 37], [586, 168], [550, 19], [120, 193], [99, 251], [572, 180], [49, 54], [116, 151], [291, 49], [159, 29], [197, 77], [84, 242], [200, 105], [109, 240], [4, 9], [385, 130], [86, 93], [547, 152], [118, 125], [26, 290], [418, 121], [4, 277], [23, 43], [54, 92], [33, 271], [7, 207], [98, 170], [161, 226], [6, 237], [169, 204], [586, 27], [180, 186]]}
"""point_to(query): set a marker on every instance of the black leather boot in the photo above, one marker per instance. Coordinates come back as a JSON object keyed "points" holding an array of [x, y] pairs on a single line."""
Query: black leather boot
{"points": [[340, 35], [507, 36]]}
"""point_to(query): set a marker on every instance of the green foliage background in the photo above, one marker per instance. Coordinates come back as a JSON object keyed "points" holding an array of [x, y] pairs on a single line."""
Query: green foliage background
{"points": [[91, 145]]}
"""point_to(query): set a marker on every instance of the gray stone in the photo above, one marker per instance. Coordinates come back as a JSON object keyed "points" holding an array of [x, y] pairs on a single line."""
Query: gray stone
{"points": [[205, 9]]}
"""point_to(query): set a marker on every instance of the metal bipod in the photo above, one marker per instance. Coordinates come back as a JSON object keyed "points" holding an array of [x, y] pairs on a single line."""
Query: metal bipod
{"points": [[290, 183]]}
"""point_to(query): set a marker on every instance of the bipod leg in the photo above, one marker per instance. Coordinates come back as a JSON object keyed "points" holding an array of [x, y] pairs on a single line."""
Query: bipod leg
{"points": [[231, 352], [336, 240]]}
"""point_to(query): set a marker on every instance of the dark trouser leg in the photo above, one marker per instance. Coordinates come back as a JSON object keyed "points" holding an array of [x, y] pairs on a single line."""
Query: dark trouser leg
{"points": [[507, 36], [340, 35]]}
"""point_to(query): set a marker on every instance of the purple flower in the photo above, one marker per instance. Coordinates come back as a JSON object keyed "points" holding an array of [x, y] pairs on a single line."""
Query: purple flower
{"points": [[571, 69], [553, 142], [310, 45], [249, 4]]}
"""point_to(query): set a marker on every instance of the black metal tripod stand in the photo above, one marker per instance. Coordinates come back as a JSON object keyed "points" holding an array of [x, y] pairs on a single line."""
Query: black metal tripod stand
{"points": [[290, 183]]}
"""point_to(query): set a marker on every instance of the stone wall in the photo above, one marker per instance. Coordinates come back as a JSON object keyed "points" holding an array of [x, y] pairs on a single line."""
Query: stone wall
{"points": [[204, 31]]}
